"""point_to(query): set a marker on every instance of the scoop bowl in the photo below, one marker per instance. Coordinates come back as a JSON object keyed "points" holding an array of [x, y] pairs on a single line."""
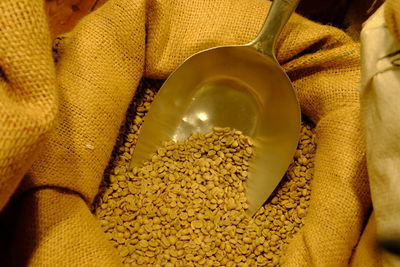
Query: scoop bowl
{"points": [[241, 87]]}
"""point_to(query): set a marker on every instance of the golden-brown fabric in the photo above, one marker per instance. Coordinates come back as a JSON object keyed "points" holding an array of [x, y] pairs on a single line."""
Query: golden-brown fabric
{"points": [[27, 89], [99, 65], [58, 229], [367, 253]]}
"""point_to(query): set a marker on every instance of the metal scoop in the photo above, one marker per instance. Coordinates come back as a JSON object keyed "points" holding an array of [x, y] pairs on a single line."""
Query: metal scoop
{"points": [[241, 87]]}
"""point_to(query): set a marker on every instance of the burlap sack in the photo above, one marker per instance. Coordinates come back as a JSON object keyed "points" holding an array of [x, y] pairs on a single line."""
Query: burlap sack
{"points": [[367, 253], [100, 64], [27, 89]]}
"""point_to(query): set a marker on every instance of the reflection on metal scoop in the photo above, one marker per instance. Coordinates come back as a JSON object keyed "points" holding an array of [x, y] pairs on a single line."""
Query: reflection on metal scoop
{"points": [[241, 87]]}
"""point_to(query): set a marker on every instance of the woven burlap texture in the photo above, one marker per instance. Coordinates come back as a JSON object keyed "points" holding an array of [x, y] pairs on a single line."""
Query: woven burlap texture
{"points": [[99, 66], [27, 89], [367, 253]]}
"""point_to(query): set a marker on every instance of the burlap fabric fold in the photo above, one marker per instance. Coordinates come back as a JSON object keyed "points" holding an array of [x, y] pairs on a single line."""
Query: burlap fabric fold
{"points": [[27, 89], [367, 252], [99, 66]]}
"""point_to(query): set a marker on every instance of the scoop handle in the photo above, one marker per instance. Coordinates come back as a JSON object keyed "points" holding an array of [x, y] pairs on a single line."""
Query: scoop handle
{"points": [[277, 17]]}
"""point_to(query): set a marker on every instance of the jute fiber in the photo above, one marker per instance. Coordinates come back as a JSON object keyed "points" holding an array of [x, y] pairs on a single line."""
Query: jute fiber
{"points": [[27, 89], [367, 253], [99, 66]]}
